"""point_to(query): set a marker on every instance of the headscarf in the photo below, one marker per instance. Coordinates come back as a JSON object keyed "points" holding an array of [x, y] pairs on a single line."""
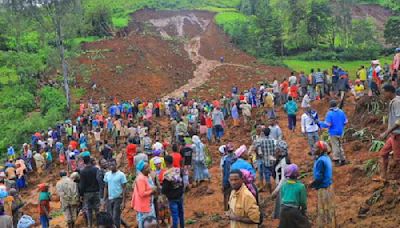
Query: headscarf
{"points": [[229, 147], [157, 160], [322, 146], [240, 151], [221, 149], [25, 221], [196, 139], [42, 187], [74, 176], [140, 166], [283, 147], [292, 171], [249, 179], [157, 152]]}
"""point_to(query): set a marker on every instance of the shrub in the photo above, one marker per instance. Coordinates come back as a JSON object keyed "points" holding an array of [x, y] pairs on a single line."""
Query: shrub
{"points": [[52, 98], [17, 97], [98, 17]]}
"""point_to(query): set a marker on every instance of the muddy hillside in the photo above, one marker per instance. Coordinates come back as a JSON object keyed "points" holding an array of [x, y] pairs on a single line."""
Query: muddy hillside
{"points": [[163, 54]]}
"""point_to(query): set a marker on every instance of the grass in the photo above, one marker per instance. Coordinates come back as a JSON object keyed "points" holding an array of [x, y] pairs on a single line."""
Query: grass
{"points": [[350, 66], [123, 8], [229, 21], [120, 21]]}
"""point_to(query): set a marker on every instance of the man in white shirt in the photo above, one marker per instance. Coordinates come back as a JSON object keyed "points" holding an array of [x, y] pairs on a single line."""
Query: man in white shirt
{"points": [[306, 102], [292, 79], [310, 128]]}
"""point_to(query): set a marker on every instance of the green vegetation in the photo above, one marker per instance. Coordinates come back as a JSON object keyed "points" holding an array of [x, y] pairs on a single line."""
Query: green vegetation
{"points": [[350, 66], [19, 117], [316, 29]]}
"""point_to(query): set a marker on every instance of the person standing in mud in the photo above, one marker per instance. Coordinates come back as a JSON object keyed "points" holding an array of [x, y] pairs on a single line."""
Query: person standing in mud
{"points": [[310, 127], [218, 123], [291, 109], [393, 142], [243, 209], [335, 121], [322, 182], [89, 190], [69, 197], [293, 200], [115, 182], [265, 149]]}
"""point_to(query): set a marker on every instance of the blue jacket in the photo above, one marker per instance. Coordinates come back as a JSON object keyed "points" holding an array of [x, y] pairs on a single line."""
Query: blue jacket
{"points": [[291, 108], [242, 164], [335, 121], [322, 172], [226, 168]]}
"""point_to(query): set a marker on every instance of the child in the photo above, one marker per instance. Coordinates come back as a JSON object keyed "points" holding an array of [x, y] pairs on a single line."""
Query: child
{"points": [[44, 205], [359, 89]]}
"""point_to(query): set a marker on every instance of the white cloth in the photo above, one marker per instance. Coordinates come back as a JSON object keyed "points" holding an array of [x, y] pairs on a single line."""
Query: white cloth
{"points": [[308, 124], [292, 80], [306, 102]]}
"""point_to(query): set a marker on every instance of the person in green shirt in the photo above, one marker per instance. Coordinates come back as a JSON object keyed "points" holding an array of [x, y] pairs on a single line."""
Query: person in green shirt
{"points": [[293, 201]]}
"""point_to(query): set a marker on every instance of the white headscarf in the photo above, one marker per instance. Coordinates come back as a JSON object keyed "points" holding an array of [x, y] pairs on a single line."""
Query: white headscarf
{"points": [[196, 139]]}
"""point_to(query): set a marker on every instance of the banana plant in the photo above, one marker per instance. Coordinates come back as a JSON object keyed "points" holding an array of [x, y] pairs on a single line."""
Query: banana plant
{"points": [[376, 145]]}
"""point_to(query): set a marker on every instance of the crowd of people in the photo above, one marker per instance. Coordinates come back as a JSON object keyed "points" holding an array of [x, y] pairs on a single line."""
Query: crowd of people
{"points": [[106, 145]]}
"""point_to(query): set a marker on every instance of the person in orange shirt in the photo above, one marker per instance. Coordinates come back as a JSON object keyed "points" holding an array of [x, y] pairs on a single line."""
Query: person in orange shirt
{"points": [[293, 91], [130, 154], [177, 159], [284, 90]]}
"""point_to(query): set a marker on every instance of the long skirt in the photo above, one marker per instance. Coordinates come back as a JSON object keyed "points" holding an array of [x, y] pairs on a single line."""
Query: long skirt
{"points": [[326, 208], [277, 210], [200, 171], [163, 208], [293, 218]]}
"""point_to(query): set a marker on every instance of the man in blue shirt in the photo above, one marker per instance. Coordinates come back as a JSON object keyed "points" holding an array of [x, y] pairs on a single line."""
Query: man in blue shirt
{"points": [[115, 182], [322, 182], [335, 121]]}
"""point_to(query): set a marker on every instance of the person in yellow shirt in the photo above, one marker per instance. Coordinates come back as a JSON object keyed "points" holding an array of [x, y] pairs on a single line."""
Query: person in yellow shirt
{"points": [[359, 89], [243, 209], [362, 74]]}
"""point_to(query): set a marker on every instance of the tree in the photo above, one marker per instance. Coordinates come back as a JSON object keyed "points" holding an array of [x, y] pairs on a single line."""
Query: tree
{"points": [[98, 18], [363, 32], [62, 15], [248, 7], [297, 14], [317, 20], [264, 21], [270, 31], [391, 33], [341, 22]]}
